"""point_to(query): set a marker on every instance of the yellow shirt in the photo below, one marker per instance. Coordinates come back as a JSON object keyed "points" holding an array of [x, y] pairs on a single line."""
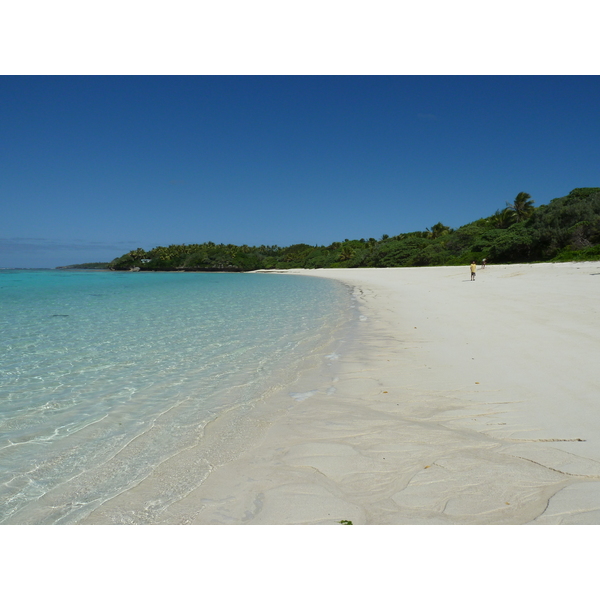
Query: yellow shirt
{"points": [[473, 267]]}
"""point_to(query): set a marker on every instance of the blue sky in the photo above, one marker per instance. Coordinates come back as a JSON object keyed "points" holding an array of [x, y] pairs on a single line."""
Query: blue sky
{"points": [[94, 166]]}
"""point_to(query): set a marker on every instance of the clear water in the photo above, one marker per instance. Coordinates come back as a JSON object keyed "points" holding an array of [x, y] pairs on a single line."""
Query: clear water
{"points": [[104, 375]]}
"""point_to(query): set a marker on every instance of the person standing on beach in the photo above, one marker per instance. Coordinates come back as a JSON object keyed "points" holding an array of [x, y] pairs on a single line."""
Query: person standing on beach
{"points": [[473, 270], [483, 263]]}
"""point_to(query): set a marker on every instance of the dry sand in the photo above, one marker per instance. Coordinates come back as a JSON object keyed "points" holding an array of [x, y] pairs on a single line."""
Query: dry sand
{"points": [[459, 403]]}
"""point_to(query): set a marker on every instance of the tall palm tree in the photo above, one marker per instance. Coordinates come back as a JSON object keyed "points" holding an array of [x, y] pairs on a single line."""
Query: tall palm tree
{"points": [[522, 206]]}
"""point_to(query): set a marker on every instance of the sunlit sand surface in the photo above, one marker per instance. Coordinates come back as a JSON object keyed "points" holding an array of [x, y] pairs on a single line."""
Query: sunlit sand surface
{"points": [[458, 402]]}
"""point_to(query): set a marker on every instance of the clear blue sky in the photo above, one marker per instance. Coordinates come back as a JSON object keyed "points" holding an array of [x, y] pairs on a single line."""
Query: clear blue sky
{"points": [[95, 166]]}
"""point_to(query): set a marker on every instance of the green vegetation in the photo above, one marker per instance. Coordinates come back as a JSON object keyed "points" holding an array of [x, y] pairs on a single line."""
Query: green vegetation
{"points": [[566, 229], [95, 265]]}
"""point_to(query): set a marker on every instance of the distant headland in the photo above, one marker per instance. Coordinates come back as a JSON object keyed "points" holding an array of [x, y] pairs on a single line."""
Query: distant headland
{"points": [[93, 265]]}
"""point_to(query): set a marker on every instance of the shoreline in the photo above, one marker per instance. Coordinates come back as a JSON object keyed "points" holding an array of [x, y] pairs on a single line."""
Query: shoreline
{"points": [[458, 402], [233, 430]]}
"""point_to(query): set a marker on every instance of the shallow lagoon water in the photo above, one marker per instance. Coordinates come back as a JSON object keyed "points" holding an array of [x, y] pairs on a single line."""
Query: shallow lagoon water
{"points": [[103, 375]]}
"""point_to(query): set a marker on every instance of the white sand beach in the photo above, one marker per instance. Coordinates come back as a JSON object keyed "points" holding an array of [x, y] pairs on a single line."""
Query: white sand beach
{"points": [[460, 402]]}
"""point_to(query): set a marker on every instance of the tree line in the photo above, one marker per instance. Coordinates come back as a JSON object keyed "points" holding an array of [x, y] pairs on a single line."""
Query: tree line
{"points": [[566, 229]]}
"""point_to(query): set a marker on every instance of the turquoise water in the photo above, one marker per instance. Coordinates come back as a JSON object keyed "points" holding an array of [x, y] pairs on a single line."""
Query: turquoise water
{"points": [[105, 375]]}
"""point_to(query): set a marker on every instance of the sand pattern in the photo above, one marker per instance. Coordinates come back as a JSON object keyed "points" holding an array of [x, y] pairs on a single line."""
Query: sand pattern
{"points": [[459, 402]]}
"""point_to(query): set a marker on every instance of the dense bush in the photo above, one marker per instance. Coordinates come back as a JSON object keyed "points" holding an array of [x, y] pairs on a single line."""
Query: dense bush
{"points": [[571, 223], [567, 228]]}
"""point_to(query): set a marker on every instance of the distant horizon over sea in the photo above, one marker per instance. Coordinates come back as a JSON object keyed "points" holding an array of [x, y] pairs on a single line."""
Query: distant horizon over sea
{"points": [[104, 375]]}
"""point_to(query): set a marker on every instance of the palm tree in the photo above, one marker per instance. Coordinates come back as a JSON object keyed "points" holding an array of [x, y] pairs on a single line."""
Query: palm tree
{"points": [[347, 252], [437, 231], [522, 206], [138, 254], [502, 219]]}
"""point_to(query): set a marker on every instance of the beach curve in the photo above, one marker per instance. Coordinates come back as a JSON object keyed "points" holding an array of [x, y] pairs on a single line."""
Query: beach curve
{"points": [[458, 402]]}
